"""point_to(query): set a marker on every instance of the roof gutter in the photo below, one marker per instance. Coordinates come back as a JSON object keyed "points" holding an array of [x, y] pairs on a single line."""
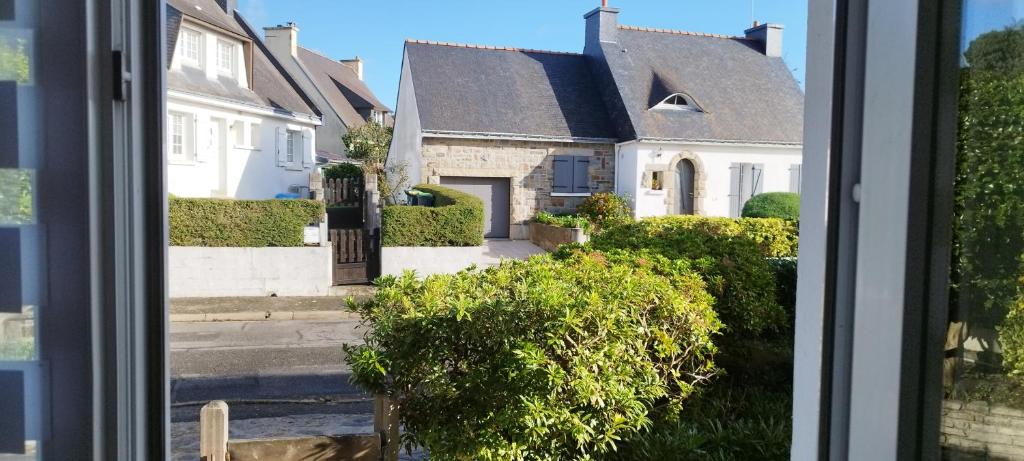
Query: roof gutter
{"points": [[514, 137], [230, 104], [714, 142]]}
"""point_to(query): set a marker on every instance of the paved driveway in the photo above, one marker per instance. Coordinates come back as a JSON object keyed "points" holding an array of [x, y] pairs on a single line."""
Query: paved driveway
{"points": [[447, 260]]}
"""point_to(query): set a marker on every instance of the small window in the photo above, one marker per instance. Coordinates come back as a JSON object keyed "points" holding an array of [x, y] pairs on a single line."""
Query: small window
{"points": [[294, 146], [254, 134], [225, 58], [191, 48], [179, 136], [678, 101], [657, 180]]}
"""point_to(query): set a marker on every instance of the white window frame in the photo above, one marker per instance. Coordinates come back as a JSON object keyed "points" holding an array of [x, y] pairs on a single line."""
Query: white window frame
{"points": [[184, 44], [232, 58], [188, 154], [672, 103], [254, 136], [293, 149]]}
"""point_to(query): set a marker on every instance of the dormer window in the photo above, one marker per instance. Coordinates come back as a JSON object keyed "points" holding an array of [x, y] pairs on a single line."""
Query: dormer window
{"points": [[190, 50], [226, 60], [678, 101]]}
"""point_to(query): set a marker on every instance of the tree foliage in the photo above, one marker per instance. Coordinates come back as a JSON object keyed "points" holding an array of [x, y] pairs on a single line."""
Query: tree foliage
{"points": [[370, 144], [998, 51]]}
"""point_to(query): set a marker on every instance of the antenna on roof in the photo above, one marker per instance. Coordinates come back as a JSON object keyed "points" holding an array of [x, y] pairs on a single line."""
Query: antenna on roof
{"points": [[752, 12]]}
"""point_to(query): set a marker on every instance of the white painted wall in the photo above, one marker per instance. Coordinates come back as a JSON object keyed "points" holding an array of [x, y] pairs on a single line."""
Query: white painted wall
{"points": [[194, 272], [407, 142], [428, 261], [242, 162], [635, 158]]}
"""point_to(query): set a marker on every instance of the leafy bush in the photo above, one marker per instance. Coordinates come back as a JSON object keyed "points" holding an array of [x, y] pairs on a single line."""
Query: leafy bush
{"points": [[729, 253], [1011, 338], [783, 205], [456, 219], [569, 221], [240, 223], [343, 170], [605, 209], [539, 359]]}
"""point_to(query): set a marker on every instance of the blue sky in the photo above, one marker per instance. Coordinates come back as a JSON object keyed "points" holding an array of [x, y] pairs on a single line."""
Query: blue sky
{"points": [[376, 31]]}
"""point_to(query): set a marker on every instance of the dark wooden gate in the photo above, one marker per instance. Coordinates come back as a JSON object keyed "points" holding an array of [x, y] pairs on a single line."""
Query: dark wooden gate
{"points": [[355, 255]]}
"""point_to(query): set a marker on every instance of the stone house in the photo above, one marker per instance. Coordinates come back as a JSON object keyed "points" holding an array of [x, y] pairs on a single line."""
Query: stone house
{"points": [[680, 122]]}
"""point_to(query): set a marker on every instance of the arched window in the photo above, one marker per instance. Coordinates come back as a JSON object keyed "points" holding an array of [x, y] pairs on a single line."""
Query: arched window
{"points": [[678, 101]]}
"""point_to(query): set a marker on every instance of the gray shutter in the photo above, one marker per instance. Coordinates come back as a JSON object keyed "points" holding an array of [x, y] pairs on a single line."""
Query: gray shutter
{"points": [[735, 188], [756, 179], [795, 177], [196, 151], [562, 174], [282, 147], [581, 175], [307, 156]]}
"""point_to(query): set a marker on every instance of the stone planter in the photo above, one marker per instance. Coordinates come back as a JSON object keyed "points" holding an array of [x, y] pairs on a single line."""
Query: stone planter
{"points": [[550, 237]]}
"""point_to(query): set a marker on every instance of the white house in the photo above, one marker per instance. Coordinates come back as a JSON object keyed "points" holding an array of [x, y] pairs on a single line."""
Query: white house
{"points": [[681, 122], [237, 124]]}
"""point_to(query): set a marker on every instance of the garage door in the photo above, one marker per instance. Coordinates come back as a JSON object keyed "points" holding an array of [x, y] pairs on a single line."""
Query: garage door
{"points": [[495, 194]]}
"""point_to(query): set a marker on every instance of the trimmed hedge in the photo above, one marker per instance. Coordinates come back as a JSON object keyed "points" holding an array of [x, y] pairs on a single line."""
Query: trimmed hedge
{"points": [[343, 170], [784, 205], [731, 254], [205, 222], [456, 219], [541, 359]]}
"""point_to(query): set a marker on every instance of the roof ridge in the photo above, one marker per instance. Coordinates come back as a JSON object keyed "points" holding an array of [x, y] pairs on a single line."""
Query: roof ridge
{"points": [[680, 32], [332, 60], [489, 47]]}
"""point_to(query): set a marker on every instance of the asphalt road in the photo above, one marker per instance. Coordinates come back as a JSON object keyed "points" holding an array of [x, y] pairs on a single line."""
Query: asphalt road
{"points": [[264, 368]]}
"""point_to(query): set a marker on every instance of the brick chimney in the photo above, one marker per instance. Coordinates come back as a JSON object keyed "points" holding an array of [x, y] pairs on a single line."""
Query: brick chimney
{"points": [[282, 40], [229, 6], [602, 25], [770, 35], [355, 64]]}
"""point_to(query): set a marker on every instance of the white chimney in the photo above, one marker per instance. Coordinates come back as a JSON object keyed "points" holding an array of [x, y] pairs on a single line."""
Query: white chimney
{"points": [[770, 35], [355, 64], [282, 40]]}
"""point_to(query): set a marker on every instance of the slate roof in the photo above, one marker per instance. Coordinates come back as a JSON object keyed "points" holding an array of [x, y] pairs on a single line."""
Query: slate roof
{"points": [[747, 96], [340, 85], [272, 87], [509, 91]]}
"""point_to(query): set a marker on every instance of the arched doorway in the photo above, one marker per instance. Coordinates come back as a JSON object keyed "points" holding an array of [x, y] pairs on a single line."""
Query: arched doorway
{"points": [[685, 187]]}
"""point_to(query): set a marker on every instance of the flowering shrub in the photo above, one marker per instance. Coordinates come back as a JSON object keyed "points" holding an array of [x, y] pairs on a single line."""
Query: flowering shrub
{"points": [[537, 360], [605, 209]]}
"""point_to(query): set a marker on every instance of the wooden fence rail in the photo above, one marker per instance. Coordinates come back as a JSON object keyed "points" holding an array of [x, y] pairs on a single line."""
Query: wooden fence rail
{"points": [[343, 192]]}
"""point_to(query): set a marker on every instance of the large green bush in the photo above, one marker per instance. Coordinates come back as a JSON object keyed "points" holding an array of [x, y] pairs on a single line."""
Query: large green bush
{"points": [[456, 219], [240, 223], [536, 360], [784, 205], [731, 254]]}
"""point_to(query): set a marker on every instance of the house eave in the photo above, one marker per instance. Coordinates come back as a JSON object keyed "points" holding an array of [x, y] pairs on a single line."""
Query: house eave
{"points": [[515, 137], [719, 142], [198, 98]]}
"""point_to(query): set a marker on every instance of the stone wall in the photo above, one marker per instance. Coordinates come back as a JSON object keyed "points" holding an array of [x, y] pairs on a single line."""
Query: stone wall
{"points": [[551, 237], [527, 163], [983, 429]]}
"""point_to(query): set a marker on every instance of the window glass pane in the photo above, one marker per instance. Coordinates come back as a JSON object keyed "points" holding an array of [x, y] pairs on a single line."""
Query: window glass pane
{"points": [[983, 409]]}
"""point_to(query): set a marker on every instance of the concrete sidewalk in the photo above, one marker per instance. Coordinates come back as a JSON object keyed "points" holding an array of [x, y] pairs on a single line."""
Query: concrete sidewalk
{"points": [[268, 308]]}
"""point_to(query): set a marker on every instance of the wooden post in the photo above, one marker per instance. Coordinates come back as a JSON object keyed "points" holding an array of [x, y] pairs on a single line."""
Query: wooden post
{"points": [[213, 431], [385, 423]]}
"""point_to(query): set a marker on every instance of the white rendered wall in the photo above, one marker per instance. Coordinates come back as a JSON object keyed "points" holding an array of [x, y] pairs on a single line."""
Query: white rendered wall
{"points": [[244, 171], [637, 158], [200, 272]]}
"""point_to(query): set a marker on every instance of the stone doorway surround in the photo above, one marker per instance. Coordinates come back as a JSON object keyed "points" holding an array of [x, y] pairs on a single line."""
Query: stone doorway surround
{"points": [[699, 183]]}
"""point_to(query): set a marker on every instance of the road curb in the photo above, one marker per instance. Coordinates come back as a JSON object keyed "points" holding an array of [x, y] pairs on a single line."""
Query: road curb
{"points": [[261, 316]]}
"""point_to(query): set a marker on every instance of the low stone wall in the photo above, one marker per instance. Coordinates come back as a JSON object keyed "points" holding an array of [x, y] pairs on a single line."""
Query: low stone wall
{"points": [[201, 272], [993, 431], [550, 237]]}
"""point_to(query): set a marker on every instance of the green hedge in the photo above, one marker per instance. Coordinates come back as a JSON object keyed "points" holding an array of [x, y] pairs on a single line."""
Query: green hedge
{"points": [[784, 205], [541, 359], [240, 223], [456, 219], [731, 254]]}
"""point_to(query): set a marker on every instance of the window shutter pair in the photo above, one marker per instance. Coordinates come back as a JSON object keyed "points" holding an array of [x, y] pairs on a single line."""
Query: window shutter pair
{"points": [[282, 146], [746, 180], [571, 174]]}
